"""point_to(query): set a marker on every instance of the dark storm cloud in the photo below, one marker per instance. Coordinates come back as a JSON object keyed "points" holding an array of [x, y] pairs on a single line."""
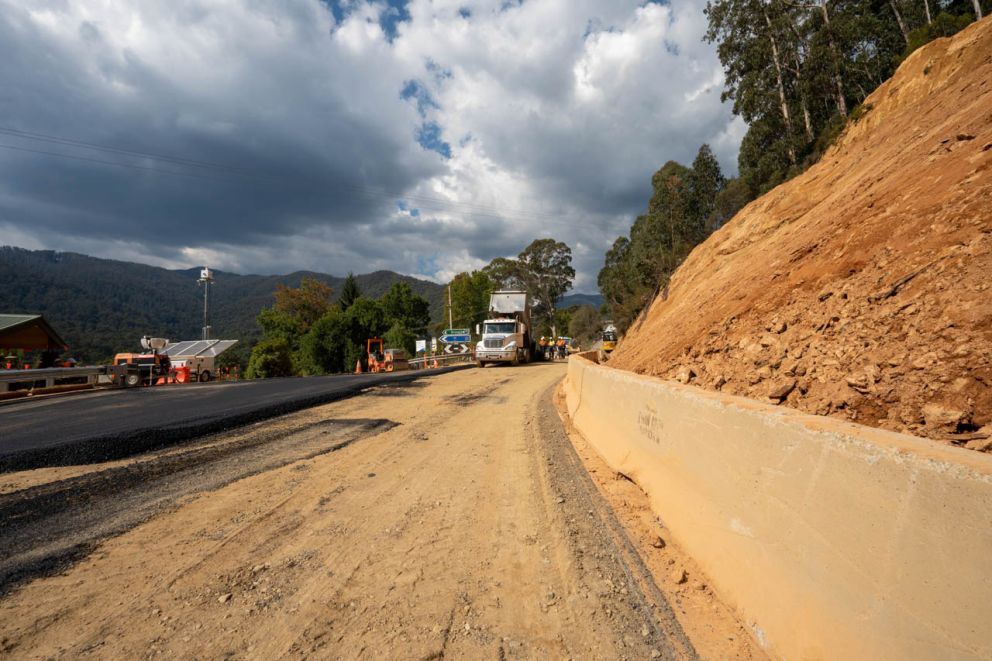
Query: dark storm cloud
{"points": [[290, 150], [302, 134]]}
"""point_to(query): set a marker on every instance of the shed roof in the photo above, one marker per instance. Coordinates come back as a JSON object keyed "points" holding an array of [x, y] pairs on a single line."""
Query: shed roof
{"points": [[29, 332]]}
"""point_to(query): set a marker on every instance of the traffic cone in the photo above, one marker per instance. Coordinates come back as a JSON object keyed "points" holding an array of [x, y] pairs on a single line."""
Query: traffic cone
{"points": [[358, 366]]}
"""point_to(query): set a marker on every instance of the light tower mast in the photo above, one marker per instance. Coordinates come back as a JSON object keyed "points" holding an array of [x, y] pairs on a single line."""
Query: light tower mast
{"points": [[206, 279]]}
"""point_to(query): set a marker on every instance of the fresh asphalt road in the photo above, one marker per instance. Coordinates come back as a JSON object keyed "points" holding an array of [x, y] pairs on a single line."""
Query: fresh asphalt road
{"points": [[110, 424]]}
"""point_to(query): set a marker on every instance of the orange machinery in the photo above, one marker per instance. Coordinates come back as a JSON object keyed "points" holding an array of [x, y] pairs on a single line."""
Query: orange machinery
{"points": [[385, 360]]}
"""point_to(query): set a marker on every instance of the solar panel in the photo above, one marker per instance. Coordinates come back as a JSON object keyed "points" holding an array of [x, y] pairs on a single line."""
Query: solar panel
{"points": [[219, 347], [177, 348], [206, 348]]}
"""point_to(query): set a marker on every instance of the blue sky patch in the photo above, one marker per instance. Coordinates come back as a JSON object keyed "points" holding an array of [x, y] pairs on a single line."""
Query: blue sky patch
{"points": [[390, 19], [427, 266], [413, 89], [429, 137], [394, 12], [403, 206]]}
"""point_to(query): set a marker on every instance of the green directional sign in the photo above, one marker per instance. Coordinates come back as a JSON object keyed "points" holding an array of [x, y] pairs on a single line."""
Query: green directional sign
{"points": [[456, 331]]}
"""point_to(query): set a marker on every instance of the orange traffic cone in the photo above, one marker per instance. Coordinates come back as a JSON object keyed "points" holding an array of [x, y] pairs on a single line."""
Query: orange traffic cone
{"points": [[358, 366]]}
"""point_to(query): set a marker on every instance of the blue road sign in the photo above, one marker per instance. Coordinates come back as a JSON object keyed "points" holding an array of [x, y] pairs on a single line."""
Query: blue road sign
{"points": [[455, 339]]}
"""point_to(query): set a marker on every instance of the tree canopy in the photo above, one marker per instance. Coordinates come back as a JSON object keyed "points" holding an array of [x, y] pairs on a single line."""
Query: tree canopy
{"points": [[796, 72], [545, 267], [469, 299], [336, 340], [685, 206], [349, 292]]}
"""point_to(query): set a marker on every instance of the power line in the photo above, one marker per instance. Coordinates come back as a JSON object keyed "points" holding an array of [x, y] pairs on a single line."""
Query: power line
{"points": [[118, 164], [442, 204], [189, 162]]}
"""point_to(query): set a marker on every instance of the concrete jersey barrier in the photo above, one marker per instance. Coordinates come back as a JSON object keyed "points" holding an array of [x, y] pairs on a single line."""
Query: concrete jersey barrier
{"points": [[832, 540]]}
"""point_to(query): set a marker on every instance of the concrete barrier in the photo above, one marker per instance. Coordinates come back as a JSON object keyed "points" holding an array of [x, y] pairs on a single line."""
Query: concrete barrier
{"points": [[832, 540]]}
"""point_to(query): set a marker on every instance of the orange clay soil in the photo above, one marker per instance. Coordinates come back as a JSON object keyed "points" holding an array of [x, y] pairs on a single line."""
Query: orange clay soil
{"points": [[861, 289]]}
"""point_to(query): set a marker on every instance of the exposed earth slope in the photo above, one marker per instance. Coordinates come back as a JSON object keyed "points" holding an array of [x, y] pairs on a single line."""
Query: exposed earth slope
{"points": [[862, 288]]}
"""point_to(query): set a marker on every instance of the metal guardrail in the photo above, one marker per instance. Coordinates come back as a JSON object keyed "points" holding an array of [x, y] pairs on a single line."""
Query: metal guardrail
{"points": [[50, 375], [427, 362]]}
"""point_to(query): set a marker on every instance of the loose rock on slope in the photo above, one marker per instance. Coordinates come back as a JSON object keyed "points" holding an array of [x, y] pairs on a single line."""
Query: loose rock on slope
{"points": [[867, 280]]}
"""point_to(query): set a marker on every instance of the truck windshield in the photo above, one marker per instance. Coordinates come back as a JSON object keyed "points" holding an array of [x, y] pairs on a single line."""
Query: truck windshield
{"points": [[504, 328]]}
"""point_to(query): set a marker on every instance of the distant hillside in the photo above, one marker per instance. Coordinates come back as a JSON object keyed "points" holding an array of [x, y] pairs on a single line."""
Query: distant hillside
{"points": [[571, 300], [102, 306]]}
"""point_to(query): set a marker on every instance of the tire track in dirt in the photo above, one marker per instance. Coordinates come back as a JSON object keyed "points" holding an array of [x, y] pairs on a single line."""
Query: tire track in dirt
{"points": [[461, 529], [46, 528]]}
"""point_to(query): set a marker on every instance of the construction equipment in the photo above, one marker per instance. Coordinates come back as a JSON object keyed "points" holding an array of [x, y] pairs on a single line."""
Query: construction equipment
{"points": [[376, 356], [396, 360], [381, 359], [506, 334], [609, 338], [146, 368], [198, 356]]}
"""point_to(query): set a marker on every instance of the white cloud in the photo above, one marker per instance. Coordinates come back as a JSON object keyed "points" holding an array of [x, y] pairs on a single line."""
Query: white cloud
{"points": [[556, 113]]}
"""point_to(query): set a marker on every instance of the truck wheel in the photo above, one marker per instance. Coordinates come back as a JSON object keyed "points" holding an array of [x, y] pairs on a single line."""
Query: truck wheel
{"points": [[132, 380], [516, 359], [526, 358], [479, 364], [204, 376]]}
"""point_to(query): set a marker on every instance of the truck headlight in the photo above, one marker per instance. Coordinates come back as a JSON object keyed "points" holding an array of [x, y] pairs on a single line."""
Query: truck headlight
{"points": [[511, 345]]}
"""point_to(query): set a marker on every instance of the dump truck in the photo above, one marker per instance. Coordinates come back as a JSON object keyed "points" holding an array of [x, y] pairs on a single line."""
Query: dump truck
{"points": [[505, 334]]}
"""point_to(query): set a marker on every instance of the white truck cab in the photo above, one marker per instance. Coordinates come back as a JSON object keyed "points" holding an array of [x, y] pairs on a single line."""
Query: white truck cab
{"points": [[506, 334]]}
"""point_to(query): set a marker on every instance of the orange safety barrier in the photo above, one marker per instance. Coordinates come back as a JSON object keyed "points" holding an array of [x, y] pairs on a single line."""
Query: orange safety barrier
{"points": [[182, 375]]}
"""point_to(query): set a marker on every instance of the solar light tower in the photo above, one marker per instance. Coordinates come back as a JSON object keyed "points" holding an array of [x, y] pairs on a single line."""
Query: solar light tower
{"points": [[206, 278]]}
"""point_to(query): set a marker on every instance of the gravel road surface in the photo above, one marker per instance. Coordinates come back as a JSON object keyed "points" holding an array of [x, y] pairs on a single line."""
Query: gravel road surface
{"points": [[442, 517]]}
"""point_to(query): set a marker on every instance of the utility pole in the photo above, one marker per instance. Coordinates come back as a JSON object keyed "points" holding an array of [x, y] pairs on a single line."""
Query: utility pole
{"points": [[451, 324], [206, 278]]}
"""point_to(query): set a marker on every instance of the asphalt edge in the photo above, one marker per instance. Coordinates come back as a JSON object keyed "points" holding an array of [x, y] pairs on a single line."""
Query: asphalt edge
{"points": [[137, 441]]}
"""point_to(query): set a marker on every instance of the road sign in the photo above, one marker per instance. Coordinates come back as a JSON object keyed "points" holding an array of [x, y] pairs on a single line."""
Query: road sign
{"points": [[456, 349], [460, 338], [421, 345], [433, 344], [456, 331]]}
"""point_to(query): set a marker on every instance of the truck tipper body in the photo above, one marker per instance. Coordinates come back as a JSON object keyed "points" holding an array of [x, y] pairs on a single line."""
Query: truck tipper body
{"points": [[506, 336]]}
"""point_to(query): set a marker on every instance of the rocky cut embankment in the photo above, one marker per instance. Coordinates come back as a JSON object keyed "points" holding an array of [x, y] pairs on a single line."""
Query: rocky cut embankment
{"points": [[863, 288]]}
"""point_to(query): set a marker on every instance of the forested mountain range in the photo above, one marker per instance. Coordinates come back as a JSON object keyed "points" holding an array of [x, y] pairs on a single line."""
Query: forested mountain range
{"points": [[103, 306]]}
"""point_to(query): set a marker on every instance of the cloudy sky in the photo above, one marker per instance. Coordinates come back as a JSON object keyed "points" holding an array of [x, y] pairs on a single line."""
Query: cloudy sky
{"points": [[422, 136]]}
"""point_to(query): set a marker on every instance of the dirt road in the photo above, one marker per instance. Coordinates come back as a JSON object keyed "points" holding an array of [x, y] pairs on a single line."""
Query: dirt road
{"points": [[428, 519]]}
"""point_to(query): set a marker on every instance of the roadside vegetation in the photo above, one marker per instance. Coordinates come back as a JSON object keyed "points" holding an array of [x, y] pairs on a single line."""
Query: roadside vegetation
{"points": [[798, 74], [305, 333]]}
